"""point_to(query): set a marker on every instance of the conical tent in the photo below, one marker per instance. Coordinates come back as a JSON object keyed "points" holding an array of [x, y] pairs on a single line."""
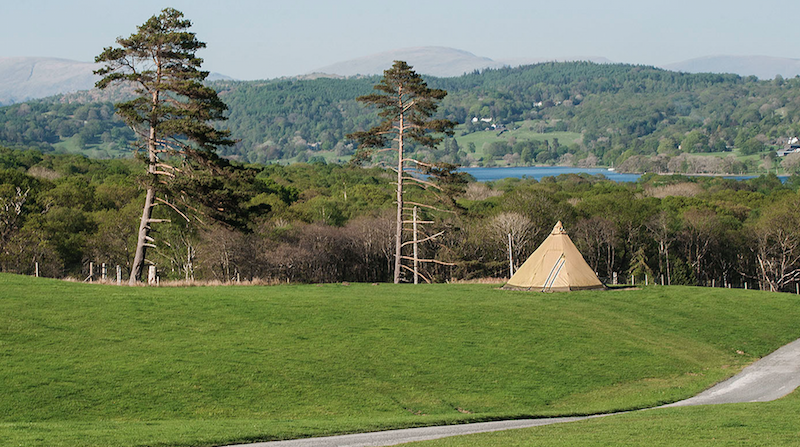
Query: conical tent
{"points": [[556, 266]]}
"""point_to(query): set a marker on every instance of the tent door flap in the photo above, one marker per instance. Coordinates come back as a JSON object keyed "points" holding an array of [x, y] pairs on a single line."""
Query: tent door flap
{"points": [[551, 278]]}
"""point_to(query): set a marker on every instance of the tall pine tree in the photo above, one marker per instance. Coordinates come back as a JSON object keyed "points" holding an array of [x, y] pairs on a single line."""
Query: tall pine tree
{"points": [[172, 112], [406, 106]]}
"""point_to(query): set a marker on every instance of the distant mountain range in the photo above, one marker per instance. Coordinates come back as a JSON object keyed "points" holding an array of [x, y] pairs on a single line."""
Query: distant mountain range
{"points": [[27, 78], [764, 67], [441, 62]]}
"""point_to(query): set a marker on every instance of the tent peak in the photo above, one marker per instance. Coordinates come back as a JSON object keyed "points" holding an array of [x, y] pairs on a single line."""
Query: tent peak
{"points": [[559, 229]]}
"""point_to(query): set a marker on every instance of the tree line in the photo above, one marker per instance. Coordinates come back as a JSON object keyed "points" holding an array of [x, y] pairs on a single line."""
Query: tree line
{"points": [[204, 215], [330, 223]]}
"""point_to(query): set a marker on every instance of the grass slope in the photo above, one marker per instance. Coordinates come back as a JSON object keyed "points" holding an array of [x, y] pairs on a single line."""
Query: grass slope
{"points": [[751, 424], [520, 130], [90, 364]]}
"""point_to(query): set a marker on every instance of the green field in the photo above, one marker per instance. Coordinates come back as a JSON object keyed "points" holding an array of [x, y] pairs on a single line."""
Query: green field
{"points": [[521, 131], [87, 364], [101, 151], [752, 424]]}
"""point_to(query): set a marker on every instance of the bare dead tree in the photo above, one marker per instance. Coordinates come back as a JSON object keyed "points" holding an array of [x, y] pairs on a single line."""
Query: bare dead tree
{"points": [[406, 106]]}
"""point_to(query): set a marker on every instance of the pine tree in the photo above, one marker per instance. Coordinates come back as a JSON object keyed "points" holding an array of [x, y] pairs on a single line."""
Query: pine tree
{"points": [[171, 113], [406, 106]]}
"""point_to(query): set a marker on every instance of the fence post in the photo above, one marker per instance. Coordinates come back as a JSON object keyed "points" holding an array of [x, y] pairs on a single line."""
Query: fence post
{"points": [[510, 257], [119, 274], [151, 275]]}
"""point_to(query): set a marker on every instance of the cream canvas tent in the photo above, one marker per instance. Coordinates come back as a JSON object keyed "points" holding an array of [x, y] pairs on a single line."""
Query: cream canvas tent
{"points": [[556, 266]]}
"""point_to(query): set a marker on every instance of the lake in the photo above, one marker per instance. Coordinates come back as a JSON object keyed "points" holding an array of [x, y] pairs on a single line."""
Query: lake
{"points": [[539, 172]]}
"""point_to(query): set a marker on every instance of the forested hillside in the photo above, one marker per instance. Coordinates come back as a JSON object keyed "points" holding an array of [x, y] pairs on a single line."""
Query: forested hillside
{"points": [[633, 117], [327, 223]]}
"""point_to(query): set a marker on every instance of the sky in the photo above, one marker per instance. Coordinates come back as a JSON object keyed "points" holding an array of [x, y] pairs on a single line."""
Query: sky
{"points": [[265, 39]]}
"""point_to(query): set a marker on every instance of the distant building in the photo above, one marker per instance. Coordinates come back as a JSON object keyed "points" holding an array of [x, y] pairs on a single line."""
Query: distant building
{"points": [[791, 147], [485, 120]]}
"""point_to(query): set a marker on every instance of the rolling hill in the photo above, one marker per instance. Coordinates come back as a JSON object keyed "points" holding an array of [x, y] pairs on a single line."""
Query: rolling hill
{"points": [[620, 111], [89, 364]]}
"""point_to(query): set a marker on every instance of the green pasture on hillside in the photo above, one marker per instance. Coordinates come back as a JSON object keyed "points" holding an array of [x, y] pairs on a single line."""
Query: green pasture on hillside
{"points": [[520, 131], [101, 150], [87, 364]]}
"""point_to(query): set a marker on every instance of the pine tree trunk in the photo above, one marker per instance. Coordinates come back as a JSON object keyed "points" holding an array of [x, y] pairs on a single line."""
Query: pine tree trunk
{"points": [[398, 237], [144, 230], [147, 210]]}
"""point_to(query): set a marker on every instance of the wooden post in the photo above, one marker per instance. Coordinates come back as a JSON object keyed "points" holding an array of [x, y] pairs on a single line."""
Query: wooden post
{"points": [[36, 269], [91, 272], [633, 280], [646, 280], [662, 279], [510, 258], [103, 272], [119, 274], [416, 253], [189, 264], [151, 275]]}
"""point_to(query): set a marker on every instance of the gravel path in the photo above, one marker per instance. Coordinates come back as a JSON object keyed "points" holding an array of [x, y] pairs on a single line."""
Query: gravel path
{"points": [[770, 378]]}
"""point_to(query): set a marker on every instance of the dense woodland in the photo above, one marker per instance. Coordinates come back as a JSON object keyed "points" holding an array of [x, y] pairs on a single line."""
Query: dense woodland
{"points": [[316, 222], [643, 116]]}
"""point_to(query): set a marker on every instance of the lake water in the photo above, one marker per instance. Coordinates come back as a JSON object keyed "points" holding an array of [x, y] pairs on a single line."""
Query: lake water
{"points": [[539, 172]]}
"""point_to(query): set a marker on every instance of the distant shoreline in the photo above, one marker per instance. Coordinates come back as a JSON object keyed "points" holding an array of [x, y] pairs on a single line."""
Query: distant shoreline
{"points": [[495, 173], [610, 169]]}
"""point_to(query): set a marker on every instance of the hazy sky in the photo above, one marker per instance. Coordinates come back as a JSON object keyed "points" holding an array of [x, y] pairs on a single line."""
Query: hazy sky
{"points": [[252, 39]]}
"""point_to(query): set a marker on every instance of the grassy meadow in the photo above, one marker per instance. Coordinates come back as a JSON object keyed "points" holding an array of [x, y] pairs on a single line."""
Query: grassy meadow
{"points": [[520, 130], [771, 424], [89, 364]]}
